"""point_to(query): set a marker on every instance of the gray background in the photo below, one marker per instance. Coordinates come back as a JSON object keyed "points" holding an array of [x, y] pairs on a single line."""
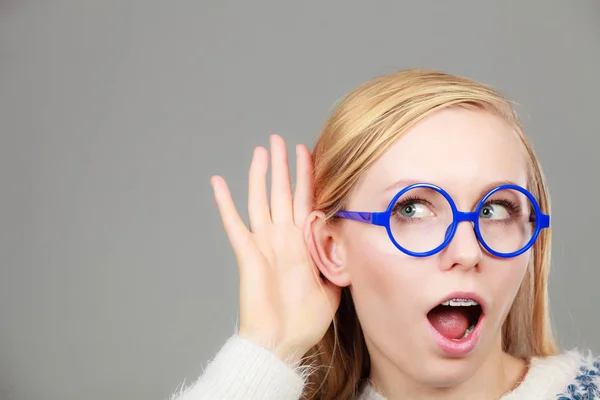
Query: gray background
{"points": [[116, 280]]}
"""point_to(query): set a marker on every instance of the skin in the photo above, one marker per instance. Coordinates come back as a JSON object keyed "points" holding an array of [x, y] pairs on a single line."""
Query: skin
{"points": [[464, 152], [284, 304], [287, 307]]}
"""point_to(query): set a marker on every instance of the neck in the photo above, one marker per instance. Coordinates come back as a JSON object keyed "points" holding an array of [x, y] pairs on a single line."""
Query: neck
{"points": [[499, 373]]}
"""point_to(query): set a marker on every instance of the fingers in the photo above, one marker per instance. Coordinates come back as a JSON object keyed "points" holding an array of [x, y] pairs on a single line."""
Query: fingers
{"points": [[281, 191], [258, 206], [334, 295], [232, 223], [329, 289], [304, 185]]}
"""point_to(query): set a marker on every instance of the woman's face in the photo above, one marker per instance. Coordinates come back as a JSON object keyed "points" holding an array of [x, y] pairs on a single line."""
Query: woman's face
{"points": [[466, 153]]}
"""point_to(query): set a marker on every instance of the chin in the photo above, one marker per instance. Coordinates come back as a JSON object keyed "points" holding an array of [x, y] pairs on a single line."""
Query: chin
{"points": [[442, 372]]}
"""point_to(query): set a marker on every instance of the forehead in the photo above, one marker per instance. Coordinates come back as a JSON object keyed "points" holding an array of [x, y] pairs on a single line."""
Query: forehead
{"points": [[460, 150]]}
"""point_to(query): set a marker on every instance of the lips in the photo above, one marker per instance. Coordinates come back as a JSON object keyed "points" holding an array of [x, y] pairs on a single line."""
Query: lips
{"points": [[456, 322]]}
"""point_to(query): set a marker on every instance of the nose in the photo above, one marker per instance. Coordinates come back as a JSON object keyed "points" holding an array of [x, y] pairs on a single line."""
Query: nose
{"points": [[464, 250]]}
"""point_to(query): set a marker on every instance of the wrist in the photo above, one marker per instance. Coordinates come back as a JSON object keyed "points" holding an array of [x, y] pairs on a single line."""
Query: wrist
{"points": [[289, 352]]}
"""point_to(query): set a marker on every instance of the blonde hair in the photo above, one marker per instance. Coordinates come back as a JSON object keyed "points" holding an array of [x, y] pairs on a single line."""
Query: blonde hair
{"points": [[361, 128]]}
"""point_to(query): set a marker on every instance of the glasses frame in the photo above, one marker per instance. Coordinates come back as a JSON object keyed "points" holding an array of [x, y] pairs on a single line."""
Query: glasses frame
{"points": [[383, 219]]}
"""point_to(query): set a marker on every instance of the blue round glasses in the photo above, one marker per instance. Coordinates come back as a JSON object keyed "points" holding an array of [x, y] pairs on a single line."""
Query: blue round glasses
{"points": [[422, 219]]}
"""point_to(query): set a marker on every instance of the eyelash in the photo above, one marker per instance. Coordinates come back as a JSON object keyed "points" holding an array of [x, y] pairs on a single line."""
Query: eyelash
{"points": [[408, 201], [512, 207]]}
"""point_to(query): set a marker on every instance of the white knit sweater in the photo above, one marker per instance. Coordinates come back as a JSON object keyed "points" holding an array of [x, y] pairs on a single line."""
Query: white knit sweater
{"points": [[243, 370]]}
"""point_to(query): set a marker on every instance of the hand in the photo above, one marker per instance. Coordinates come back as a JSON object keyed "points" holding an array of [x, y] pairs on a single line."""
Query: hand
{"points": [[284, 304]]}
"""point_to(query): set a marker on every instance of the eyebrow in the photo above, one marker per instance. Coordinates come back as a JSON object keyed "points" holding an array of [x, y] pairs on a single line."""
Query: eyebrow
{"points": [[401, 184]]}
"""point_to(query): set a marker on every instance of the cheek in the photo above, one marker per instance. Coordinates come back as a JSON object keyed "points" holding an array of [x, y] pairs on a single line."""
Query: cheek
{"points": [[504, 279], [382, 282], [374, 264]]}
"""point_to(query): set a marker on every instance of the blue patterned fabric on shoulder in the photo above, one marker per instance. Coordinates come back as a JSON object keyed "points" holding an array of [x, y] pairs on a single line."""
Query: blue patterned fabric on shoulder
{"points": [[586, 385]]}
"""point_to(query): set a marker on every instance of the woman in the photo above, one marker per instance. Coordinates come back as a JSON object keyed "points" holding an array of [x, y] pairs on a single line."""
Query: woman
{"points": [[410, 263]]}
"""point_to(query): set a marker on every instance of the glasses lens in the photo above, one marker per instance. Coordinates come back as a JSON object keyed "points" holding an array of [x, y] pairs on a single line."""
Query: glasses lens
{"points": [[420, 220], [507, 221]]}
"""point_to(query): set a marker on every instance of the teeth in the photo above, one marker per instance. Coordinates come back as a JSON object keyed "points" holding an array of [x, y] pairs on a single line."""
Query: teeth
{"points": [[460, 302], [467, 332]]}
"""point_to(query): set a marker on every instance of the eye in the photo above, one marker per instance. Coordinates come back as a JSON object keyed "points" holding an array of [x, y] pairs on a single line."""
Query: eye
{"points": [[494, 211], [414, 210]]}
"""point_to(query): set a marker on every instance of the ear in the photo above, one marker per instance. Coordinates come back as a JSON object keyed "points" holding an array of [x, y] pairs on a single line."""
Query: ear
{"points": [[325, 249]]}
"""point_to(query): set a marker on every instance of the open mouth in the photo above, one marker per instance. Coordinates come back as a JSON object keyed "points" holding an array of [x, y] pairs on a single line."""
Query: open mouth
{"points": [[456, 319]]}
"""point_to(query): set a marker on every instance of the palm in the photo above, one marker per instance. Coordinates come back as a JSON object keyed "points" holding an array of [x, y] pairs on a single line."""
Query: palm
{"points": [[283, 301]]}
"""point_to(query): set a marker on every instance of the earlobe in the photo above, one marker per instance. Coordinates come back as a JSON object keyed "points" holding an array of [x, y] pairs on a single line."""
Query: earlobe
{"points": [[325, 252]]}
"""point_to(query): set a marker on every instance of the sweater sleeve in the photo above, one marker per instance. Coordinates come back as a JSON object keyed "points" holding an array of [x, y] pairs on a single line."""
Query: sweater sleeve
{"points": [[243, 370]]}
